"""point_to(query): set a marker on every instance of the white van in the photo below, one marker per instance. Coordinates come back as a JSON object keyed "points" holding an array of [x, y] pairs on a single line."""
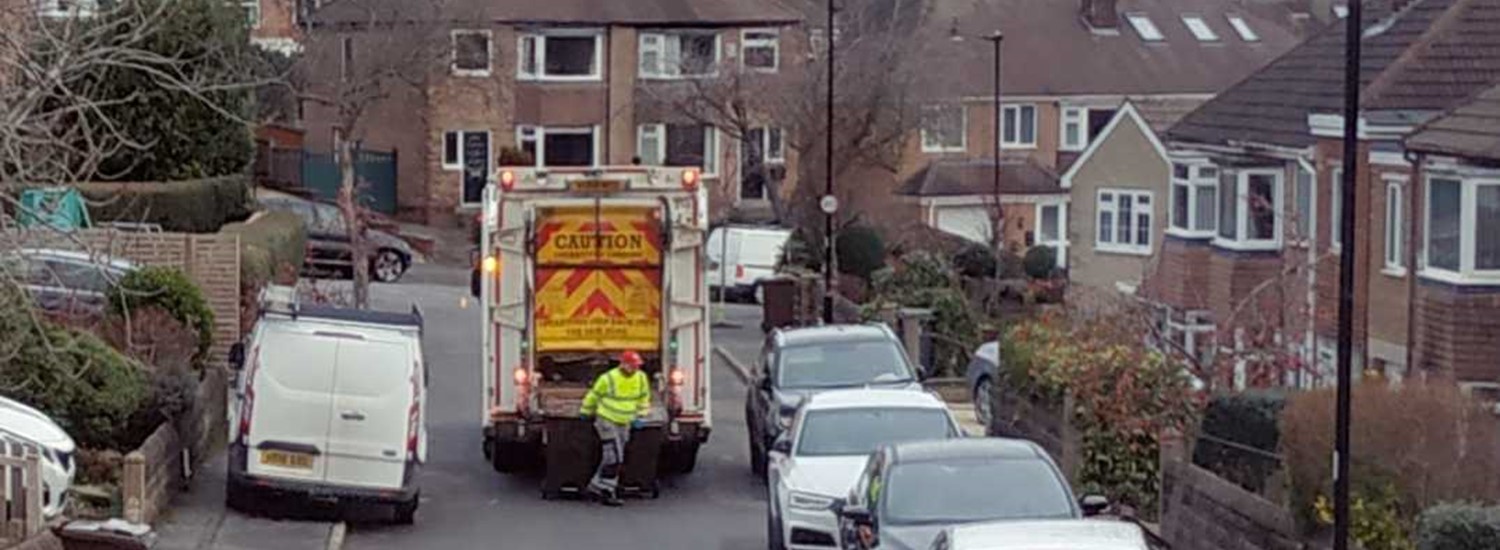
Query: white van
{"points": [[331, 407], [739, 257]]}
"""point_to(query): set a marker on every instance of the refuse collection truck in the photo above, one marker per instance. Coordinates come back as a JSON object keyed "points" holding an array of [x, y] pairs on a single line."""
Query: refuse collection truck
{"points": [[577, 266]]}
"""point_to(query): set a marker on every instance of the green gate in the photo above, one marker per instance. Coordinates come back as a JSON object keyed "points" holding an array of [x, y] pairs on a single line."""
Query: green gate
{"points": [[375, 177]]}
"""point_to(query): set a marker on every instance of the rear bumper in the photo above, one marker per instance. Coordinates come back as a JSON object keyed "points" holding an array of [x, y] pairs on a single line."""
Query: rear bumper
{"points": [[239, 480]]}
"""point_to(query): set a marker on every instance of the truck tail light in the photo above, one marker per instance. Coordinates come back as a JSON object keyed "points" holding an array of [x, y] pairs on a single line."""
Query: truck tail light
{"points": [[491, 264], [507, 180], [522, 376], [676, 378], [690, 179]]}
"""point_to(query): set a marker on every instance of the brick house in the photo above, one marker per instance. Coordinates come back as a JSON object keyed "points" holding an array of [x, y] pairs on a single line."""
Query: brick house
{"points": [[1248, 266], [569, 83], [1066, 70], [277, 24]]}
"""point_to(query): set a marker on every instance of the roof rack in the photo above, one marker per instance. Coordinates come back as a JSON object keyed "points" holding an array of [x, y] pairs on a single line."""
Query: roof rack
{"points": [[280, 299]]}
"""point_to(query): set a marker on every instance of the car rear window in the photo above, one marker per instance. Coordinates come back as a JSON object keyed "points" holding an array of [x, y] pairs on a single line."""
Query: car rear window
{"points": [[975, 490], [843, 432], [841, 364]]}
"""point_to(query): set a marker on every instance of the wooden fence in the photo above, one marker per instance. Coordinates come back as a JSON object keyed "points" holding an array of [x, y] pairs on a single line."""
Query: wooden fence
{"points": [[20, 476]]}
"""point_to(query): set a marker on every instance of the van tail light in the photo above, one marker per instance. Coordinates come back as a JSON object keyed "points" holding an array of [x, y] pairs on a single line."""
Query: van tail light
{"points": [[739, 271], [414, 418], [247, 403]]}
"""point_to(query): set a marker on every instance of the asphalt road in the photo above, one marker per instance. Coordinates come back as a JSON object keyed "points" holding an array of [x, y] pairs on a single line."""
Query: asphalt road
{"points": [[466, 504]]}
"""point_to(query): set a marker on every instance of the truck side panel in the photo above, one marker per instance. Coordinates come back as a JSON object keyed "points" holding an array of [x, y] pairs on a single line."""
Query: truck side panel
{"points": [[506, 295], [688, 301]]}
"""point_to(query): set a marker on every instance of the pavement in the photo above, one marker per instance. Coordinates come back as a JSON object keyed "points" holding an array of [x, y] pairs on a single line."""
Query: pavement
{"points": [[466, 504]]}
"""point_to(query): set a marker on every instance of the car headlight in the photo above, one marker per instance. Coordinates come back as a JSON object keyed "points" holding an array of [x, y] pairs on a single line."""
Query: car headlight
{"points": [[809, 501]]}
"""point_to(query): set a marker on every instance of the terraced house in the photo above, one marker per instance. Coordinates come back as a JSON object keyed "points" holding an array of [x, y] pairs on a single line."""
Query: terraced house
{"points": [[561, 83], [1067, 69], [1248, 267]]}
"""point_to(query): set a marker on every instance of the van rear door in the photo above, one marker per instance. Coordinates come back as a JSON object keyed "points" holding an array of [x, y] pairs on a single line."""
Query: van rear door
{"points": [[292, 381], [374, 386]]}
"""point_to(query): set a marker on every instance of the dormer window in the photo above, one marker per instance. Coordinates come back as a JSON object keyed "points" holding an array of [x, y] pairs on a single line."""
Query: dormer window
{"points": [[1200, 28], [1144, 27]]}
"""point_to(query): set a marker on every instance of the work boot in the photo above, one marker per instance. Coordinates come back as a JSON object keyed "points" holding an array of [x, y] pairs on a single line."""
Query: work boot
{"points": [[609, 498]]}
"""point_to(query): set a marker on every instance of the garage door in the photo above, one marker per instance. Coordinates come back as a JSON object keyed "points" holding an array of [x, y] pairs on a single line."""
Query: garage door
{"points": [[969, 222]]}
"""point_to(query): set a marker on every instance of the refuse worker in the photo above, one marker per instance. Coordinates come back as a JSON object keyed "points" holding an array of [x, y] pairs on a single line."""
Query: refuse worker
{"points": [[615, 403]]}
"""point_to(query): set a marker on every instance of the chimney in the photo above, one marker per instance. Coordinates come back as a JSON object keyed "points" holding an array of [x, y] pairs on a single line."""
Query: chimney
{"points": [[1100, 14]]}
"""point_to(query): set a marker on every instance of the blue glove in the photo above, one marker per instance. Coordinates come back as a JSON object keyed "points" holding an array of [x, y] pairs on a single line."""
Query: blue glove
{"points": [[637, 424]]}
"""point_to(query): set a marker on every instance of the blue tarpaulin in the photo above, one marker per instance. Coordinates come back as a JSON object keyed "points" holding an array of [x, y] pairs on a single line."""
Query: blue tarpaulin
{"points": [[61, 208]]}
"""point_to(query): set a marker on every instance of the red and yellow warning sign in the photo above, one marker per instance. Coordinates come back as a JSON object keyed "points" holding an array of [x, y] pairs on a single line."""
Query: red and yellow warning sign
{"points": [[588, 235], [598, 279]]}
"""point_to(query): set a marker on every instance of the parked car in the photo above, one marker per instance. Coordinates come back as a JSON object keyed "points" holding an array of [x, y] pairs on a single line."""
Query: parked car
{"points": [[65, 281], [739, 258], [331, 406], [818, 460], [983, 371], [910, 492], [1076, 534], [22, 426], [797, 363], [328, 249]]}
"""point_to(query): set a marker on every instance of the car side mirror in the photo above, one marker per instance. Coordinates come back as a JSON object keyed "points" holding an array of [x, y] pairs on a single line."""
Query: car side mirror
{"points": [[237, 356], [1093, 505], [782, 445]]}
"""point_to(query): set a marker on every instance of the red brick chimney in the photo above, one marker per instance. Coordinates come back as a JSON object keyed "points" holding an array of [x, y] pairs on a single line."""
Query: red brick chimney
{"points": [[1100, 14]]}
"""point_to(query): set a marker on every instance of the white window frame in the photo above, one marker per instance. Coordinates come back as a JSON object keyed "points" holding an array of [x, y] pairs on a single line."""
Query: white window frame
{"points": [[1078, 116], [668, 68], [1242, 28], [1197, 180], [346, 57], [1311, 215], [1133, 247], [1468, 232], [712, 153], [963, 129], [773, 43], [1199, 28], [538, 134], [1242, 241], [778, 154], [1017, 143], [1145, 27], [1060, 244], [539, 58], [1395, 227], [1195, 324], [489, 42], [458, 150], [252, 12], [1336, 210]]}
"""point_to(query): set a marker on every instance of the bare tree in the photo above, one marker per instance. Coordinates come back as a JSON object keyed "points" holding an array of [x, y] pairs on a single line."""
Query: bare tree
{"points": [[365, 57]]}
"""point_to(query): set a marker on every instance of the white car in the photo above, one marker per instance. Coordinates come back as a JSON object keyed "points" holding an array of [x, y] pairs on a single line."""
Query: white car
{"points": [[1065, 534], [819, 458], [331, 407], [22, 426]]}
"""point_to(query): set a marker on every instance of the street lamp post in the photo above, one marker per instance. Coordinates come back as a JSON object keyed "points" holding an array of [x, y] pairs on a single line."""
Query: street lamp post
{"points": [[997, 226], [1353, 33], [828, 213]]}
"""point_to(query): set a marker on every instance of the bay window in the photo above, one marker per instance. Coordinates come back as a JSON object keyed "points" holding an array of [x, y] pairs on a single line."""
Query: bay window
{"points": [[1195, 189], [1124, 221], [1462, 237], [1250, 206]]}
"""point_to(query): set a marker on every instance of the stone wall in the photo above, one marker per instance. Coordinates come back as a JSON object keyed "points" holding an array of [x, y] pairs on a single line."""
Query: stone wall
{"points": [[1201, 511], [155, 471], [1040, 420]]}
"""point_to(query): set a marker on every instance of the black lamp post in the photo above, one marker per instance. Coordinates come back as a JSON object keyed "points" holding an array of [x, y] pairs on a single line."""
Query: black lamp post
{"points": [[998, 224], [828, 213], [1353, 32]]}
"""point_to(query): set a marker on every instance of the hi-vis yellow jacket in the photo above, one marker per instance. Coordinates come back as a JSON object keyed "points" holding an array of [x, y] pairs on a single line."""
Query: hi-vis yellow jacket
{"points": [[619, 398]]}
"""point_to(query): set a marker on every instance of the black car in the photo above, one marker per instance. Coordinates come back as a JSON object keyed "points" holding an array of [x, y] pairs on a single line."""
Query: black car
{"points": [[797, 363], [328, 241], [911, 492]]}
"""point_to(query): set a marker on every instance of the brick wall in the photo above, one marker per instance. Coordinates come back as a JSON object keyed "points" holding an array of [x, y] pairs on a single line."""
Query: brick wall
{"points": [[210, 260], [1201, 511], [1181, 274], [154, 471], [1458, 331], [1238, 282], [1329, 157], [1039, 420]]}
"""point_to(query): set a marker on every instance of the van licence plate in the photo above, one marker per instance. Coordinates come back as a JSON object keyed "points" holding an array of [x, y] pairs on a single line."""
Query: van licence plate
{"points": [[282, 459]]}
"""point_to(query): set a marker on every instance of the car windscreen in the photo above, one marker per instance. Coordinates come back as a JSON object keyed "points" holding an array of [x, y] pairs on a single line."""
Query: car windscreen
{"points": [[843, 432], [841, 364], [974, 490]]}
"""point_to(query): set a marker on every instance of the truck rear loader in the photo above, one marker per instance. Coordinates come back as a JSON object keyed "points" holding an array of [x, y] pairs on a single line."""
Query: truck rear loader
{"points": [[577, 266]]}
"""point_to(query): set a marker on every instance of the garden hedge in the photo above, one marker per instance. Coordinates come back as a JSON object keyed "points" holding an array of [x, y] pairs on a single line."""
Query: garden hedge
{"points": [[860, 251], [270, 244], [171, 290], [1459, 526], [194, 206], [1250, 419]]}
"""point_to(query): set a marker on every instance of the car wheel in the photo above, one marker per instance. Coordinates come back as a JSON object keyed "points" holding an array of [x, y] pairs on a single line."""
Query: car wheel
{"points": [[388, 266], [774, 540], [983, 400]]}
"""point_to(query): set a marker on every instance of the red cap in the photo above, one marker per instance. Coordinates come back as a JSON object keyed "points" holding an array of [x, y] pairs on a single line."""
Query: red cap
{"points": [[631, 358]]}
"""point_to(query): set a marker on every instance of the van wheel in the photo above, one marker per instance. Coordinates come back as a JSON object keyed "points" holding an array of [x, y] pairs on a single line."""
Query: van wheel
{"points": [[406, 512], [509, 458]]}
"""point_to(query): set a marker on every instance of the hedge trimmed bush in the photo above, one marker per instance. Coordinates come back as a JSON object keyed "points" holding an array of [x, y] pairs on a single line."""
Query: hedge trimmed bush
{"points": [[1250, 419], [94, 392], [1041, 262], [1459, 526], [270, 244], [860, 251], [172, 291], [975, 260], [194, 206]]}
